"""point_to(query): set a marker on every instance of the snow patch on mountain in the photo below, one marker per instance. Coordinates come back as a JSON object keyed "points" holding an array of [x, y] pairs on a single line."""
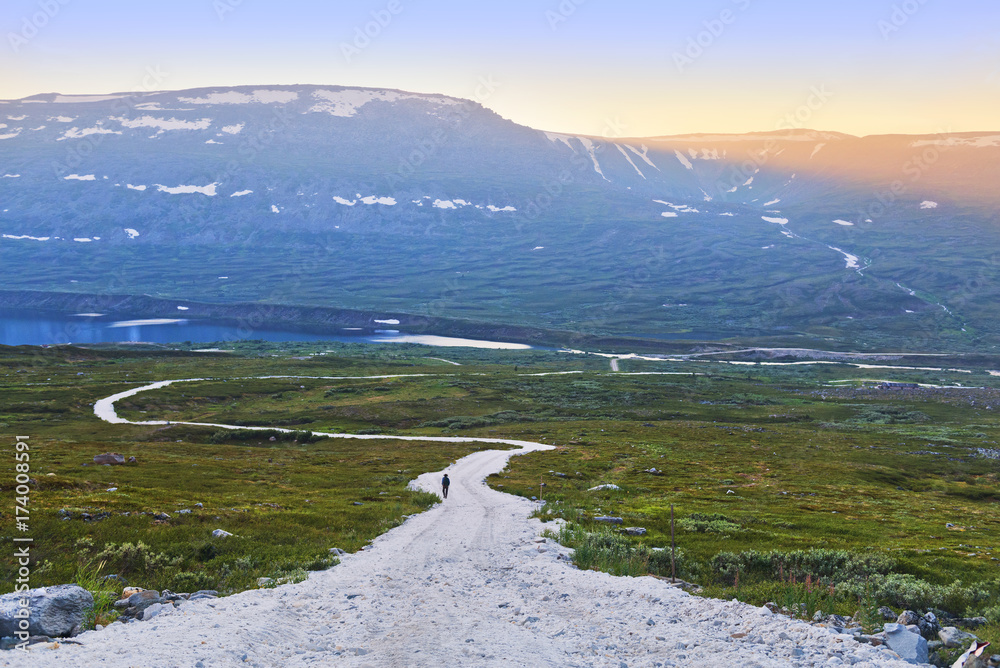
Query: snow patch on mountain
{"points": [[25, 236], [235, 97], [852, 260], [233, 129], [819, 147], [622, 151], [387, 201], [556, 137], [346, 103], [241, 193], [772, 202], [275, 209], [132, 187], [844, 222], [17, 118], [77, 133], [974, 142], [11, 176], [682, 208], [497, 209], [208, 190], [592, 152], [927, 204], [642, 154], [779, 221], [345, 202], [132, 233], [164, 123], [444, 204], [683, 160], [77, 177]]}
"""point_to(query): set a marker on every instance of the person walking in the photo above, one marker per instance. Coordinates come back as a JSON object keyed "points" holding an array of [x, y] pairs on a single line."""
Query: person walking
{"points": [[444, 485]]}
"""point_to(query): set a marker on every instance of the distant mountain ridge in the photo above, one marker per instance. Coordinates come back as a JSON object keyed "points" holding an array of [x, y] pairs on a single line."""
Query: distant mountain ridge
{"points": [[435, 205]]}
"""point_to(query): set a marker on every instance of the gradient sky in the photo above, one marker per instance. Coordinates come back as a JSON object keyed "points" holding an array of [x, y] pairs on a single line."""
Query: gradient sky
{"points": [[623, 68]]}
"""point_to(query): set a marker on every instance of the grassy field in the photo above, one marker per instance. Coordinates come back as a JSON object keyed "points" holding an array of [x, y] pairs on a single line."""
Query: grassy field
{"points": [[773, 471]]}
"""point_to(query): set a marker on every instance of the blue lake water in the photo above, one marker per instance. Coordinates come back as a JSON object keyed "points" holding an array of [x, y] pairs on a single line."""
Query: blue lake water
{"points": [[25, 327]]}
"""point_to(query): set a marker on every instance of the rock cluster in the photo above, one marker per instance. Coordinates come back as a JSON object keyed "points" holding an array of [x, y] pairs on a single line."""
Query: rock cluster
{"points": [[917, 638], [56, 612], [147, 603]]}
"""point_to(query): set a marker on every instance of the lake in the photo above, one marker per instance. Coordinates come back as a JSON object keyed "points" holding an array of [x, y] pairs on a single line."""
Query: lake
{"points": [[27, 327]]}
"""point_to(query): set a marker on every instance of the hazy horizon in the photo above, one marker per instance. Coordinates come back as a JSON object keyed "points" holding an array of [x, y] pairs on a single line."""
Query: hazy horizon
{"points": [[574, 66]]}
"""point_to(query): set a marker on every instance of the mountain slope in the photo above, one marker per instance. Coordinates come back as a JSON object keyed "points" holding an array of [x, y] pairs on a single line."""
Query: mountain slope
{"points": [[381, 199]]}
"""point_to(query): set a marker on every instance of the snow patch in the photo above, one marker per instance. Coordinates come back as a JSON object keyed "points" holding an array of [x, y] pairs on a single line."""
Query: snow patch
{"points": [[233, 129], [345, 202], [927, 204], [974, 142], [642, 155], [444, 204], [208, 190], [164, 123], [132, 234], [852, 260], [592, 152], [62, 119], [683, 160], [772, 202], [235, 97], [556, 137], [70, 99], [816, 150], [25, 236], [77, 133], [669, 214], [77, 177], [844, 222], [275, 209], [241, 193], [387, 201], [496, 209], [212, 141], [132, 187], [390, 321], [16, 118], [779, 221], [622, 151], [11, 176], [83, 240], [346, 103]]}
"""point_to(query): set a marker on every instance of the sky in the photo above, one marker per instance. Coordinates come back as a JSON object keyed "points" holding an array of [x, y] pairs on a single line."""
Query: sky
{"points": [[624, 68]]}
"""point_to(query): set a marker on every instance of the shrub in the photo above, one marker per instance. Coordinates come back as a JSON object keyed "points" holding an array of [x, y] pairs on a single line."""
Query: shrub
{"points": [[708, 523], [836, 565], [187, 581], [137, 558]]}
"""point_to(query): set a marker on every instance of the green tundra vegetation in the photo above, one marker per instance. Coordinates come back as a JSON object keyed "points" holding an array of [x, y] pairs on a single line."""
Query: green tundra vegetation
{"points": [[799, 484]]}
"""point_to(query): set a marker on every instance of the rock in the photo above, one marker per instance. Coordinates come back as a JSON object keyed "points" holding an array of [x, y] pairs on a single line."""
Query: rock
{"points": [[132, 460], [199, 505], [910, 646], [887, 614], [600, 487], [907, 617], [953, 637], [263, 582], [357, 503], [973, 622], [772, 606], [634, 531], [837, 621], [929, 627], [144, 599], [219, 533], [110, 458], [653, 471], [818, 616], [609, 520], [52, 611], [185, 511], [129, 591], [161, 516], [154, 610], [337, 551]]}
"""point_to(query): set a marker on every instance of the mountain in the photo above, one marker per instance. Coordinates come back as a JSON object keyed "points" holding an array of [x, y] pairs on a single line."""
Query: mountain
{"points": [[426, 204]]}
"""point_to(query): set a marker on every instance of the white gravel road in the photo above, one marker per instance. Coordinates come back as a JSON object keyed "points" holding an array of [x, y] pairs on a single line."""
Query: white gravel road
{"points": [[466, 583]]}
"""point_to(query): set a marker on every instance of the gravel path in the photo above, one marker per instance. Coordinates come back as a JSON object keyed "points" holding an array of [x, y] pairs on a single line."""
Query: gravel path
{"points": [[469, 583]]}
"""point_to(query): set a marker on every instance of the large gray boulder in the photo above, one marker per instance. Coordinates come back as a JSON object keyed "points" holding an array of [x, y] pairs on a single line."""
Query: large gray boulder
{"points": [[52, 611], [908, 645]]}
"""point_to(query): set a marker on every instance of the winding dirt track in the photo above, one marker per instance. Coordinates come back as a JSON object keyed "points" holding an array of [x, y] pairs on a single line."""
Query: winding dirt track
{"points": [[466, 583]]}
